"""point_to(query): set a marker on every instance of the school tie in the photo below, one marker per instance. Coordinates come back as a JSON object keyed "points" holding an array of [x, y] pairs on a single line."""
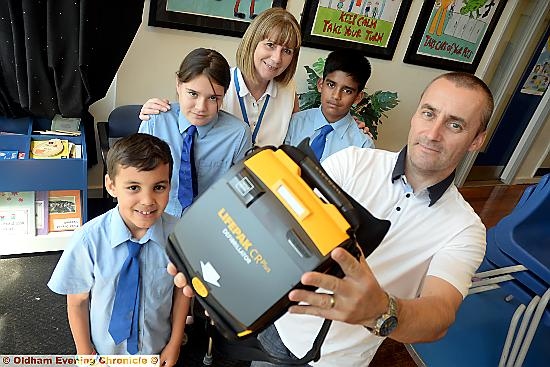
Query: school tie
{"points": [[125, 314], [187, 189], [318, 144]]}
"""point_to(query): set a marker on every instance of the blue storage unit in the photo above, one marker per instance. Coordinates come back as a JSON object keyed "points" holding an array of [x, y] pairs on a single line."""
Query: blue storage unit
{"points": [[478, 335], [41, 174], [524, 234]]}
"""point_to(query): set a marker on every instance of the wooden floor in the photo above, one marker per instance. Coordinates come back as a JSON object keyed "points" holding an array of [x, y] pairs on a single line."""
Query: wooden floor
{"points": [[491, 203]]}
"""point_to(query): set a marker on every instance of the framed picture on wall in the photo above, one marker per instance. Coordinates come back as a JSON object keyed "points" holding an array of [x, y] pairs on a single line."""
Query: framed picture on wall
{"points": [[225, 17], [453, 34], [373, 27]]}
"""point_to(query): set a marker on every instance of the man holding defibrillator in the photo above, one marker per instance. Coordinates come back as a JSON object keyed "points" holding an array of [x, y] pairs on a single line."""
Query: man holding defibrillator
{"points": [[411, 286]]}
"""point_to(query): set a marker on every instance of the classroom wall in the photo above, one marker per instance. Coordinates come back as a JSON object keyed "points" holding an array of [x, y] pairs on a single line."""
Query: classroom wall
{"points": [[148, 70]]}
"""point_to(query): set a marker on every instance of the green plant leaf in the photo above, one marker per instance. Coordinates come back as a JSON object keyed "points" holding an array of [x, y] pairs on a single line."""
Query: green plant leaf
{"points": [[319, 66], [309, 100]]}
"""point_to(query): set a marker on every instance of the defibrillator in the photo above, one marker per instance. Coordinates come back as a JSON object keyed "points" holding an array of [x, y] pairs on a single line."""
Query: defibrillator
{"points": [[246, 241]]}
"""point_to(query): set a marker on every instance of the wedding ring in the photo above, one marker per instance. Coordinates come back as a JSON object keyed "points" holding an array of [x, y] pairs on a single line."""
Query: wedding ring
{"points": [[332, 301]]}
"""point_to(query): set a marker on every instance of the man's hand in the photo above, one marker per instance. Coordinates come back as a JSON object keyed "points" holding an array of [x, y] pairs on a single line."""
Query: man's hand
{"points": [[153, 106], [180, 281], [357, 298]]}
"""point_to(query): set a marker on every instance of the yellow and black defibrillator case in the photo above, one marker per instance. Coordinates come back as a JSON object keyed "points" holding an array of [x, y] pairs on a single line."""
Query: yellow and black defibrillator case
{"points": [[247, 240]]}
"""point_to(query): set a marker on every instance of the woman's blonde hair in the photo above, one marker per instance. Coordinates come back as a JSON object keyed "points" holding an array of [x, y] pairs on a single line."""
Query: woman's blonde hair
{"points": [[279, 26]]}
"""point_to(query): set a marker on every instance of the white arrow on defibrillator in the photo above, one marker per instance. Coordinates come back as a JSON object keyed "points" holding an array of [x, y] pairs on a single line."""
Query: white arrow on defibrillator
{"points": [[209, 274]]}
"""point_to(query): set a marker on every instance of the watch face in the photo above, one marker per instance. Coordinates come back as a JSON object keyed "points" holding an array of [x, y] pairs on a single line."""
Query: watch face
{"points": [[389, 325]]}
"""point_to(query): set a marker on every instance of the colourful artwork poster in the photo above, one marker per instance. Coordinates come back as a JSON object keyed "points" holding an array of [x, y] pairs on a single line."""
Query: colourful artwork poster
{"points": [[538, 80], [361, 21], [456, 29], [244, 10]]}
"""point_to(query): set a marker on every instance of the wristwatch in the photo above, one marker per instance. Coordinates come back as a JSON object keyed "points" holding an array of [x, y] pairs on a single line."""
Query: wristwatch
{"points": [[387, 322]]}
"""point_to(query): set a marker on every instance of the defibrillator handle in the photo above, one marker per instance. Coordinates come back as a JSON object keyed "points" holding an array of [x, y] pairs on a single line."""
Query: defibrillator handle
{"points": [[315, 176]]}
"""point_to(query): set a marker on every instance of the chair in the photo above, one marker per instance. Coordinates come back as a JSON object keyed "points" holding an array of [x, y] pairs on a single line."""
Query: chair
{"points": [[522, 238], [524, 235], [122, 121], [500, 318], [491, 329], [525, 196], [498, 259], [513, 286]]}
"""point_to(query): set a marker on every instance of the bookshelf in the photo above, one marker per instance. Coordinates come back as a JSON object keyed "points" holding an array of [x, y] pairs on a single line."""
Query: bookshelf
{"points": [[39, 175]]}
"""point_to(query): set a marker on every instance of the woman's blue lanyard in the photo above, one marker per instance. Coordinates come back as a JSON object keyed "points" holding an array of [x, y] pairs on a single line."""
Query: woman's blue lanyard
{"points": [[243, 108]]}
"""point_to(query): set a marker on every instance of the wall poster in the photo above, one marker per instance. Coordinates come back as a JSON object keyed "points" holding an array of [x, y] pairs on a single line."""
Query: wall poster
{"points": [[453, 34], [537, 81], [370, 26], [226, 17]]}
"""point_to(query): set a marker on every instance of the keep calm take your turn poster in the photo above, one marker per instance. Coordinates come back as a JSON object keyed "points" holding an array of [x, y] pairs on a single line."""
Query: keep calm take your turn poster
{"points": [[361, 21]]}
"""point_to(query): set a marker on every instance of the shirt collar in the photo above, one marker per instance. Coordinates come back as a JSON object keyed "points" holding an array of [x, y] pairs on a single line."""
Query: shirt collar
{"points": [[243, 88], [120, 233], [435, 191], [340, 127], [202, 131]]}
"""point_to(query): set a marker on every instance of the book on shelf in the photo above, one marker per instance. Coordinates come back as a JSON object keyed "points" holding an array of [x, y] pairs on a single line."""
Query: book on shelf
{"points": [[17, 213], [65, 124], [57, 132], [41, 211], [50, 149], [76, 152], [64, 210]]}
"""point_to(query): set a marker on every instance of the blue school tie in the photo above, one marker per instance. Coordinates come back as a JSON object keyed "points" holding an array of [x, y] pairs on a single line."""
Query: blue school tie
{"points": [[125, 315], [318, 144], [187, 189]]}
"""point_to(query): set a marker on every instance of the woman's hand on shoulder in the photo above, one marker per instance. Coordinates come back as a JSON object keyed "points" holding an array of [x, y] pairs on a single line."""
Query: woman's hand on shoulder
{"points": [[153, 106], [361, 125]]}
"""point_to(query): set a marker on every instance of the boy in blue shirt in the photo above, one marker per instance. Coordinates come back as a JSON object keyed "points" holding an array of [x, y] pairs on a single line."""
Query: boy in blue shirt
{"points": [[116, 263], [217, 138], [331, 127]]}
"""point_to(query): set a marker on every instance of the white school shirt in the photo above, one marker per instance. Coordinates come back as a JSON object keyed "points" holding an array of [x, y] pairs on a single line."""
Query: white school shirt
{"points": [[274, 124], [445, 239]]}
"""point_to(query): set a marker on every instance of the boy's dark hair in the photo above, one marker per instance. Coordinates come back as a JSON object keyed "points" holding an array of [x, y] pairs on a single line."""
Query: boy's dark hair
{"points": [[352, 62], [206, 62], [142, 151]]}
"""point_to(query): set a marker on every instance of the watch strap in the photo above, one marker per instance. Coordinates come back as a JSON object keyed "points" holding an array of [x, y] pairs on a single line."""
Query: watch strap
{"points": [[390, 313]]}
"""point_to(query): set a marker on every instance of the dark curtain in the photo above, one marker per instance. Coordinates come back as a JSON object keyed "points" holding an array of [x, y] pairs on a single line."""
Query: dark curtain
{"points": [[60, 56]]}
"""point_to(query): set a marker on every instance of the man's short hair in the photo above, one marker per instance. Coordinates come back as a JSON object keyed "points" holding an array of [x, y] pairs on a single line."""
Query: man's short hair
{"points": [[144, 152], [470, 81]]}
